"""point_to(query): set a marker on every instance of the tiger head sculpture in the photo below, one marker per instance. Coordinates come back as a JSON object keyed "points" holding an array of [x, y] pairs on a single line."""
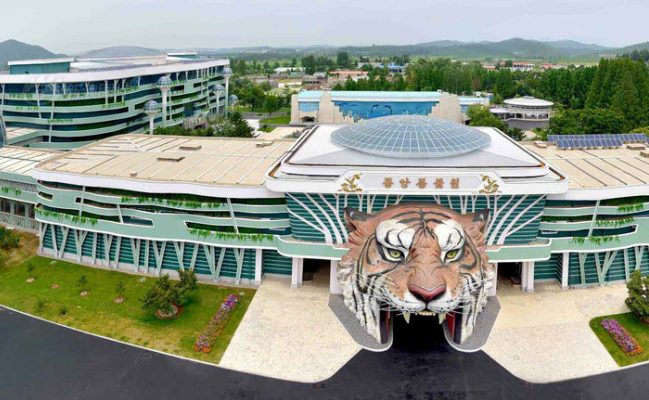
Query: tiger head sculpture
{"points": [[416, 258]]}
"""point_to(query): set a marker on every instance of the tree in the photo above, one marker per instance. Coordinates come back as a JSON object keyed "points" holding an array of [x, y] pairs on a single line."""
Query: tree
{"points": [[343, 60], [240, 126], [309, 64], [638, 300], [30, 268], [586, 121], [82, 283], [161, 296], [120, 289], [188, 280], [188, 283], [272, 104], [481, 116]]}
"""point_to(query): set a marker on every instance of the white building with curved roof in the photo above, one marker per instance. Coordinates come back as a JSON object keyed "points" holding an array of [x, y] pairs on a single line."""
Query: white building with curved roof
{"points": [[525, 112]]}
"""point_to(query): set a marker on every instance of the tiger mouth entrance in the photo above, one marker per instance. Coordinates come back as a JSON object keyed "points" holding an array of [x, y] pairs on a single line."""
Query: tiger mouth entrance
{"points": [[419, 333]]}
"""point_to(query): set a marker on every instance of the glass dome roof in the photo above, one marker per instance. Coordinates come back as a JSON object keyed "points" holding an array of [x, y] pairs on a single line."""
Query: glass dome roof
{"points": [[151, 106], [227, 71], [410, 136], [164, 81]]}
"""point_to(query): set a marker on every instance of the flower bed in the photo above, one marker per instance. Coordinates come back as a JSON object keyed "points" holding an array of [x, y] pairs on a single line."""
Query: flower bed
{"points": [[622, 337], [208, 338]]}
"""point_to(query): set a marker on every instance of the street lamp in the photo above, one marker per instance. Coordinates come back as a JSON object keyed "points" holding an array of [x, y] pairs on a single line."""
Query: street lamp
{"points": [[218, 89], [227, 73], [164, 84], [151, 108], [233, 99]]}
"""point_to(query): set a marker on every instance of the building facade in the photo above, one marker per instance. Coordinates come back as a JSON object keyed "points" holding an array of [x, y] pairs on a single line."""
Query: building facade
{"points": [[236, 210], [67, 103], [341, 107]]}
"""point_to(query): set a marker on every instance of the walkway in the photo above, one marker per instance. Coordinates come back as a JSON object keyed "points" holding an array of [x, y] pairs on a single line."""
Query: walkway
{"points": [[545, 337], [290, 334]]}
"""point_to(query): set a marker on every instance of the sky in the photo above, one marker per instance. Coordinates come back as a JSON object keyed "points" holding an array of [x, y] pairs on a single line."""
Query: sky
{"points": [[72, 26]]}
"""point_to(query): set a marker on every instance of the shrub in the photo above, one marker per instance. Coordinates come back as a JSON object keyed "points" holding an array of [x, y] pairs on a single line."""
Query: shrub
{"points": [[160, 296], [30, 268], [63, 311], [8, 238], [40, 305], [638, 300]]}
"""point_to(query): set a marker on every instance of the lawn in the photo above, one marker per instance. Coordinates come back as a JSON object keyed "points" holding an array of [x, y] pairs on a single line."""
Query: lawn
{"points": [[278, 120], [98, 313], [635, 327]]}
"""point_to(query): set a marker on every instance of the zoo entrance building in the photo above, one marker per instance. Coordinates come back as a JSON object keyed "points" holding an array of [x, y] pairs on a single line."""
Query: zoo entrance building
{"points": [[237, 210]]}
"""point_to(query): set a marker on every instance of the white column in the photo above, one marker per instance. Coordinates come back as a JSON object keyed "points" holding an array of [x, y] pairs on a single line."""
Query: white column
{"points": [[492, 292], [258, 266], [529, 266], [565, 270], [296, 274], [334, 286], [524, 276], [227, 94], [151, 118], [164, 106]]}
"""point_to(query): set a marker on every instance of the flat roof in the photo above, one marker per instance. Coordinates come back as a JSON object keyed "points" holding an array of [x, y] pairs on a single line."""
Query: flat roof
{"points": [[319, 150], [17, 131], [158, 158], [41, 61], [598, 168], [314, 95], [115, 69], [21, 160]]}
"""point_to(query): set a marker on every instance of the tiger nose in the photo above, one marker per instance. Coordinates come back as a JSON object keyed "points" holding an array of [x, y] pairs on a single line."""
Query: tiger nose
{"points": [[425, 294]]}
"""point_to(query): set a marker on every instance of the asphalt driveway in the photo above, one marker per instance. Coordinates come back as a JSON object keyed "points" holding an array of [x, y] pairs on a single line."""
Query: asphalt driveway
{"points": [[39, 360]]}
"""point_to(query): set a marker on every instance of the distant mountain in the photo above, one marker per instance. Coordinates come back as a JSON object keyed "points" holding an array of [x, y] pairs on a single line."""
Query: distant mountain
{"points": [[515, 48], [637, 46], [12, 50], [577, 48]]}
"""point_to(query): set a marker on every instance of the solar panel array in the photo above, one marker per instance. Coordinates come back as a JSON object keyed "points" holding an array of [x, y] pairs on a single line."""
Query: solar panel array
{"points": [[595, 141], [410, 136]]}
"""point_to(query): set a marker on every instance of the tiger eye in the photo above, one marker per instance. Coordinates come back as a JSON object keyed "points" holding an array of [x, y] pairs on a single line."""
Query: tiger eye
{"points": [[395, 254]]}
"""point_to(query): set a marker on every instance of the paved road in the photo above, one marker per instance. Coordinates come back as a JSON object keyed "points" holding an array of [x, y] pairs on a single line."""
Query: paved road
{"points": [[39, 360]]}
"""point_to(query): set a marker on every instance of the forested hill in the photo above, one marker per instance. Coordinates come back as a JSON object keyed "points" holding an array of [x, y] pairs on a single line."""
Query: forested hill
{"points": [[515, 48], [11, 50]]}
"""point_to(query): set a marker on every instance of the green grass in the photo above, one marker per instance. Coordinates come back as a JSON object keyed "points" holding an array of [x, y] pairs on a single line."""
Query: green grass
{"points": [[266, 128], [279, 120], [98, 313], [636, 328]]}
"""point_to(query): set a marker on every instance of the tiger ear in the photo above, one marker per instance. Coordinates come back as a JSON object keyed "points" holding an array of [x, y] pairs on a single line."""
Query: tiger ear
{"points": [[480, 219], [354, 218]]}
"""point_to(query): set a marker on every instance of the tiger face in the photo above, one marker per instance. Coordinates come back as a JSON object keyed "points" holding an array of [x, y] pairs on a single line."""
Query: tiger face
{"points": [[415, 258]]}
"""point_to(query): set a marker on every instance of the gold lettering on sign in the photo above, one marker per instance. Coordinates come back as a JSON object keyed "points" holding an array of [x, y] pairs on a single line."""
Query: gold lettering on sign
{"points": [[351, 184], [387, 183], [455, 183], [439, 183], [490, 185], [404, 182], [421, 183]]}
